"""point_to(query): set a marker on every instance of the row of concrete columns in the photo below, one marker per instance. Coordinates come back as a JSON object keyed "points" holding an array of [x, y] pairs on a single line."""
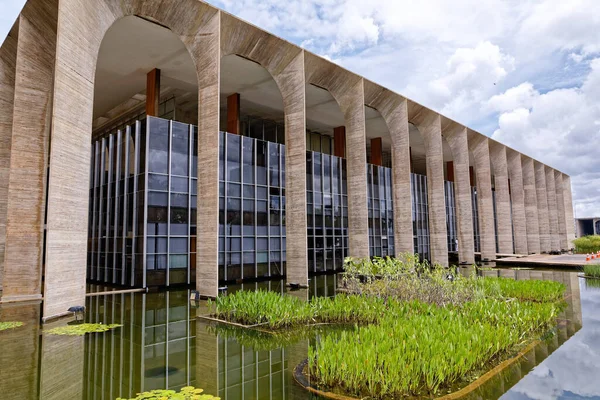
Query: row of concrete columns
{"points": [[47, 82]]}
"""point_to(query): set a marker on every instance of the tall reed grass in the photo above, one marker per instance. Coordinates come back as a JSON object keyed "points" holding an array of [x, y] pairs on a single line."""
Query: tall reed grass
{"points": [[587, 244], [592, 270]]}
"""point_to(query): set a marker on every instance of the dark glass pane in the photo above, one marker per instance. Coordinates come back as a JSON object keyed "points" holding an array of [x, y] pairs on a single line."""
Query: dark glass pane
{"points": [[180, 149], [158, 147]]}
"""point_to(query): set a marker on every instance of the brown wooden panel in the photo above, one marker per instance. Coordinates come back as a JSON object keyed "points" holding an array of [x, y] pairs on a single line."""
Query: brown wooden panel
{"points": [[339, 141], [471, 176], [376, 151], [152, 92], [233, 113], [450, 170]]}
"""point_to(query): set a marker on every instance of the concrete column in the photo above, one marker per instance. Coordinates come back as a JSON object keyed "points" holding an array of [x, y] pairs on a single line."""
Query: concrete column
{"points": [[393, 109], [286, 64], [456, 136], [479, 146], [570, 221], [503, 216], [552, 208], [429, 124], [531, 206], [560, 207], [29, 151], [542, 200], [515, 174], [8, 61], [348, 90]]}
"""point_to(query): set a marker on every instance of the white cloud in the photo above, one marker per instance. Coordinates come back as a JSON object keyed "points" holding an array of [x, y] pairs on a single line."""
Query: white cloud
{"points": [[517, 97]]}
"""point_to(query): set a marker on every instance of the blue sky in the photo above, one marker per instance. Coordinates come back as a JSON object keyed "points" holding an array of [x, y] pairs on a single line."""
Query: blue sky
{"points": [[524, 72]]}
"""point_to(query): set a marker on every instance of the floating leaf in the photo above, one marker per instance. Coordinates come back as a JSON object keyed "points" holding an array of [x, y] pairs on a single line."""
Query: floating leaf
{"points": [[81, 329], [186, 393], [10, 325]]}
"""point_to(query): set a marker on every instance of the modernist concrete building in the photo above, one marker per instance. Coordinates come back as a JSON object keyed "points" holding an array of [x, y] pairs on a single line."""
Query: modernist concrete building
{"points": [[168, 142]]}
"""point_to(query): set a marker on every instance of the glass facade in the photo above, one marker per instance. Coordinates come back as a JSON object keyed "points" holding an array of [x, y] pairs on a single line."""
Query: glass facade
{"points": [[475, 207], [451, 216], [327, 211], [143, 205], [251, 208], [380, 211], [495, 220], [420, 215]]}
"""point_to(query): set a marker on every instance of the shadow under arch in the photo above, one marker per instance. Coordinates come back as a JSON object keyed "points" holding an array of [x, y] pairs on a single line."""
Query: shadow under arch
{"points": [[82, 26]]}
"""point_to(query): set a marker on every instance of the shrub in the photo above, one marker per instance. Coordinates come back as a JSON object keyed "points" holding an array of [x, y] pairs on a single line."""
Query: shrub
{"points": [[592, 270], [587, 244]]}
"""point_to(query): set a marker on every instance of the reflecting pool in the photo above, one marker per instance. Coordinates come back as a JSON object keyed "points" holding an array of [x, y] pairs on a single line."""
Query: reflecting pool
{"points": [[162, 344]]}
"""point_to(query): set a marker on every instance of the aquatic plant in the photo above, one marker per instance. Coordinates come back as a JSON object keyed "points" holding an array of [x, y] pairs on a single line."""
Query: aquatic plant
{"points": [[429, 347], [186, 393], [592, 270], [524, 290], [10, 325], [587, 244], [81, 329]]}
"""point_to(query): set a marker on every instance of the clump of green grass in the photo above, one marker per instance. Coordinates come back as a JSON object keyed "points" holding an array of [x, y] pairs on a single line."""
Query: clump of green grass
{"points": [[186, 393], [428, 348], [81, 329], [10, 325], [524, 290], [592, 270], [587, 244]]}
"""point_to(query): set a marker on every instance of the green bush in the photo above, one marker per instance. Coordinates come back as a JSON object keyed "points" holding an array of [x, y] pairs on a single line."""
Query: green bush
{"points": [[592, 270], [587, 244]]}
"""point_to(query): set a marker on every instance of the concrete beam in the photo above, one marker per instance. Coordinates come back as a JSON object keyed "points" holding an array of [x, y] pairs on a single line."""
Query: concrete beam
{"points": [[560, 207], [531, 206], [570, 221], [479, 146], [393, 109], [542, 200], [8, 64], [515, 174], [348, 91], [29, 151], [456, 136], [503, 214], [285, 62], [552, 209], [429, 125]]}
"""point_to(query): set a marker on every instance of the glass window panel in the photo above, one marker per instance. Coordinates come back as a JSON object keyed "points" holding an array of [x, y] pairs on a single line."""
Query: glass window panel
{"points": [[178, 245], [180, 148], [158, 146], [158, 199], [180, 185], [177, 261], [158, 182]]}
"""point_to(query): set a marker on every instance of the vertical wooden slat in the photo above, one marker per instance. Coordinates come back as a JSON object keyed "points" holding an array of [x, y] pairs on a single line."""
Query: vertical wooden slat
{"points": [[233, 113], [152, 92], [339, 141], [376, 151]]}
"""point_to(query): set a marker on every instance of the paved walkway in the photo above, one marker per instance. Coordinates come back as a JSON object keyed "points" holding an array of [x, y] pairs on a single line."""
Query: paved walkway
{"points": [[563, 260]]}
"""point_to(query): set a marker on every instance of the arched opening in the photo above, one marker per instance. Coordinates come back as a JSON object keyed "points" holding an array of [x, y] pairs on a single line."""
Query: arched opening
{"points": [[420, 206], [143, 203], [252, 221], [326, 181], [380, 197]]}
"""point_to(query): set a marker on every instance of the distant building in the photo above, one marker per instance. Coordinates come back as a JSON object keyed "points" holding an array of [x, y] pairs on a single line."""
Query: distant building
{"points": [[587, 226]]}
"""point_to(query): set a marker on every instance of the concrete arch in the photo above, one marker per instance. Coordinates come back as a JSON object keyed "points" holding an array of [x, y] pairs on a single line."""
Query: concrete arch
{"points": [[393, 109], [285, 63], [456, 136], [430, 126], [348, 91], [82, 25]]}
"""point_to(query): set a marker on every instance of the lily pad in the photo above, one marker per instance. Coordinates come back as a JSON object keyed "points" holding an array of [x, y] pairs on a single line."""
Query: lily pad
{"points": [[186, 393], [81, 329], [10, 325]]}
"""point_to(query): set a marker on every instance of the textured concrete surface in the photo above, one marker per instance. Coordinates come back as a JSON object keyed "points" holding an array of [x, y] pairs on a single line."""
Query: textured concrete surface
{"points": [[8, 61], [347, 89], [568, 197], [429, 125], [285, 63], [29, 150], [515, 174], [531, 206], [552, 209], [393, 109], [503, 215], [62, 367], [542, 200], [560, 207], [479, 146], [456, 136]]}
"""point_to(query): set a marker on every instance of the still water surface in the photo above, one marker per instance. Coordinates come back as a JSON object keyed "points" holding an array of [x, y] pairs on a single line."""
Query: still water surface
{"points": [[163, 345]]}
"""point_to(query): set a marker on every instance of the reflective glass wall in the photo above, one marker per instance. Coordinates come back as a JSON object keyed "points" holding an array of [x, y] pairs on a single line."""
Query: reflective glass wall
{"points": [[420, 215], [327, 211], [451, 216], [475, 207], [380, 211], [251, 208]]}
